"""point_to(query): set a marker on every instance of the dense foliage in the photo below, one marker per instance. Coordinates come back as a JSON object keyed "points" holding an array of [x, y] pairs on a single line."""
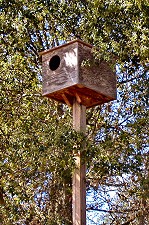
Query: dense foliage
{"points": [[37, 140]]}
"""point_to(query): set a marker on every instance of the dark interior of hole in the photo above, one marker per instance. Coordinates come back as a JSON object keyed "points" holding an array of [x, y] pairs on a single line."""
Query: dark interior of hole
{"points": [[54, 62]]}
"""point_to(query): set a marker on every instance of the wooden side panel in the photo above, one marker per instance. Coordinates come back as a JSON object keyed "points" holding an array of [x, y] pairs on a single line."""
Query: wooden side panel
{"points": [[97, 76], [66, 74]]}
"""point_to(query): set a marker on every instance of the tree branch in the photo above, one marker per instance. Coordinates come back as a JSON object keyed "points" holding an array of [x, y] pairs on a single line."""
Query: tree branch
{"points": [[108, 211]]}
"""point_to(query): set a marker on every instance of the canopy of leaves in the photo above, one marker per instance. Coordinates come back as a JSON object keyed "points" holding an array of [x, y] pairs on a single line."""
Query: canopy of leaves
{"points": [[38, 143]]}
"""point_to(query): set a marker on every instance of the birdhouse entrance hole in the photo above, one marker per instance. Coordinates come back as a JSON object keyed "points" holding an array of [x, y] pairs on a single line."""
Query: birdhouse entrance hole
{"points": [[54, 62]]}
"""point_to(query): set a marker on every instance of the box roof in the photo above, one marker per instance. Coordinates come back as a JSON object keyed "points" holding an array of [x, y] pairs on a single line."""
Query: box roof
{"points": [[61, 46]]}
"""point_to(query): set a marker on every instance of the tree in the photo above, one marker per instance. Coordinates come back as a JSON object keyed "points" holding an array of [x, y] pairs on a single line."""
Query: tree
{"points": [[36, 147]]}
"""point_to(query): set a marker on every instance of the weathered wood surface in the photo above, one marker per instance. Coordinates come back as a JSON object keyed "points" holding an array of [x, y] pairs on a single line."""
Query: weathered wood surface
{"points": [[85, 96], [65, 75], [92, 85], [97, 76], [79, 175]]}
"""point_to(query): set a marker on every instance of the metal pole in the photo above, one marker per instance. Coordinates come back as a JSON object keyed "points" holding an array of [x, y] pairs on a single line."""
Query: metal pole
{"points": [[79, 176]]}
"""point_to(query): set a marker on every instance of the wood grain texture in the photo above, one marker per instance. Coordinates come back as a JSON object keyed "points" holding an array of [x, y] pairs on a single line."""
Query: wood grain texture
{"points": [[87, 97], [92, 84], [65, 75], [79, 175], [97, 76]]}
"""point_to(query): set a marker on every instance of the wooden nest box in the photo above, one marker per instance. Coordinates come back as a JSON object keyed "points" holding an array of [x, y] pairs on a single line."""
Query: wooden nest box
{"points": [[70, 71]]}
